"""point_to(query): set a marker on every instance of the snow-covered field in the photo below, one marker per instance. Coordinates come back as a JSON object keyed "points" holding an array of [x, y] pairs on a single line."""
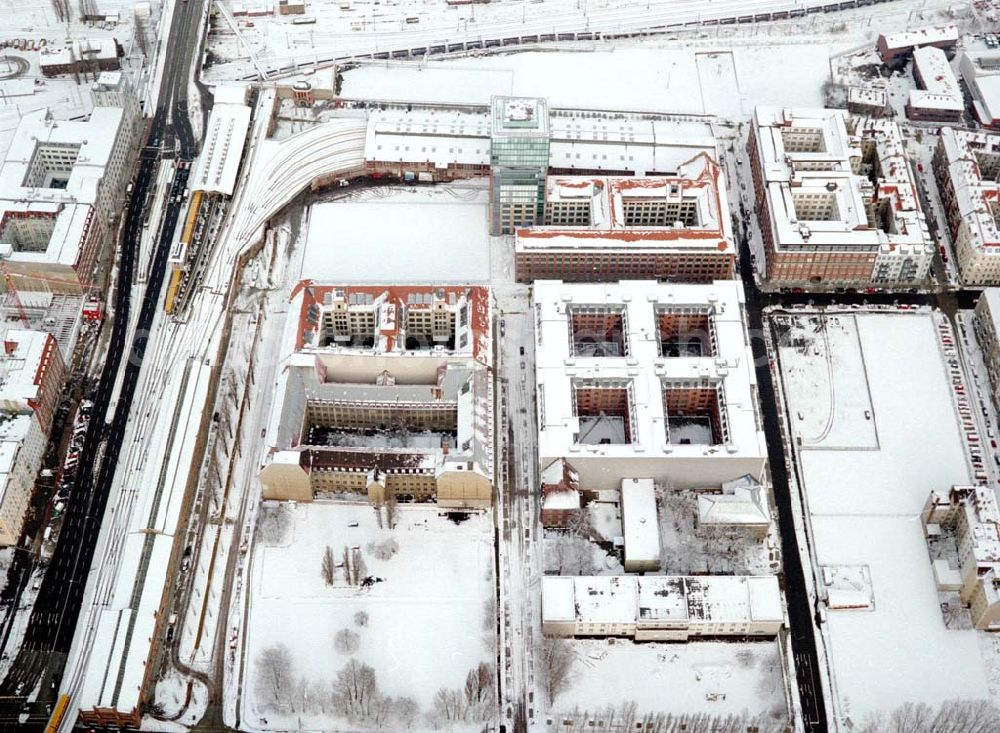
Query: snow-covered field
{"points": [[430, 614], [864, 502], [717, 678], [425, 234]]}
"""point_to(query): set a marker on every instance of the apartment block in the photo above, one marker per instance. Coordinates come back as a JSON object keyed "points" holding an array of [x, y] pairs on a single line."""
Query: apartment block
{"points": [[643, 379], [599, 229], [963, 528], [662, 607], [836, 201], [987, 328], [967, 168], [60, 193], [32, 375], [385, 391], [896, 47]]}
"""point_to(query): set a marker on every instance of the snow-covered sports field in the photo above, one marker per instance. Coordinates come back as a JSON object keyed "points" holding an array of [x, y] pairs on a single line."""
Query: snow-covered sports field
{"points": [[430, 616]]}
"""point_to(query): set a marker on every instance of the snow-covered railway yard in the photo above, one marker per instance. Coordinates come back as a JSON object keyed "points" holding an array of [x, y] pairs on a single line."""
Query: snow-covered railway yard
{"points": [[874, 428]]}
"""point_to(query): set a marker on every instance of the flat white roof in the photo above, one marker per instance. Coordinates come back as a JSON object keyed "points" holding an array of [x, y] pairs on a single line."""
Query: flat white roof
{"points": [[643, 368], [941, 90], [921, 36], [225, 138], [20, 361], [639, 520]]}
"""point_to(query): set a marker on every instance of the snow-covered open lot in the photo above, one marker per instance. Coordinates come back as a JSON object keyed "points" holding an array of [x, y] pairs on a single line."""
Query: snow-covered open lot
{"points": [[863, 500], [417, 234], [430, 615], [714, 678]]}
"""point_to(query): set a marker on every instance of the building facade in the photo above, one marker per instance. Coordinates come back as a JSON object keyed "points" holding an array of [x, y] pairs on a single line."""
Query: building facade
{"points": [[32, 375], [987, 328], [835, 199], [967, 168]]}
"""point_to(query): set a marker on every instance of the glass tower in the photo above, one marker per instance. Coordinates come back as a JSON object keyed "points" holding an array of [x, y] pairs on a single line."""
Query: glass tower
{"points": [[519, 160]]}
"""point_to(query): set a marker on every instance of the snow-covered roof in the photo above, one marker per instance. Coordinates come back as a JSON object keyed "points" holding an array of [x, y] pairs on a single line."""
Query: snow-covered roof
{"points": [[85, 49], [23, 360], [643, 371], [940, 87], [817, 194], [639, 521], [975, 197], [742, 502], [629, 599], [225, 138], [868, 95], [697, 185], [943, 34]]}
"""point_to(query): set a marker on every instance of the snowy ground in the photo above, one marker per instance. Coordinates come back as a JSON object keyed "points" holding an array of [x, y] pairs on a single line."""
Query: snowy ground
{"points": [[425, 234], [427, 617], [900, 651], [718, 678]]}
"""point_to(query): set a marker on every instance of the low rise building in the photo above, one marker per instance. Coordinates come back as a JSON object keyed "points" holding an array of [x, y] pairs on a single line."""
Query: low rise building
{"points": [[662, 607], [640, 527], [385, 391], [967, 168], [599, 229], [836, 201], [61, 184], [867, 100], [82, 56], [895, 48], [979, 65], [646, 379], [32, 375], [970, 519], [742, 504], [938, 97]]}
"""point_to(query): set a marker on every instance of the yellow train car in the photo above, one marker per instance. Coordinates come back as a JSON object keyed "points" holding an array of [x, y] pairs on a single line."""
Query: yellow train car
{"points": [[58, 713]]}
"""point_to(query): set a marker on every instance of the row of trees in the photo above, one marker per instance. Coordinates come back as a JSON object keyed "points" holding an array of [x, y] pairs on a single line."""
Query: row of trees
{"points": [[954, 716], [354, 694], [625, 718], [352, 562]]}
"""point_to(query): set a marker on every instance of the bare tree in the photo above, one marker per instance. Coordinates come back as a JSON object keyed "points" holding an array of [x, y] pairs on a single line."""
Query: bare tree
{"points": [[569, 555], [385, 549], [360, 569], [346, 641], [274, 681], [355, 690], [347, 566], [391, 510], [557, 666], [966, 716], [361, 618], [449, 705], [275, 521], [328, 568], [405, 711]]}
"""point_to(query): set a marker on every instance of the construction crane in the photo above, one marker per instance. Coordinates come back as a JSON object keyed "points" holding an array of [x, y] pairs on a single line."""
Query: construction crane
{"points": [[9, 282]]}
